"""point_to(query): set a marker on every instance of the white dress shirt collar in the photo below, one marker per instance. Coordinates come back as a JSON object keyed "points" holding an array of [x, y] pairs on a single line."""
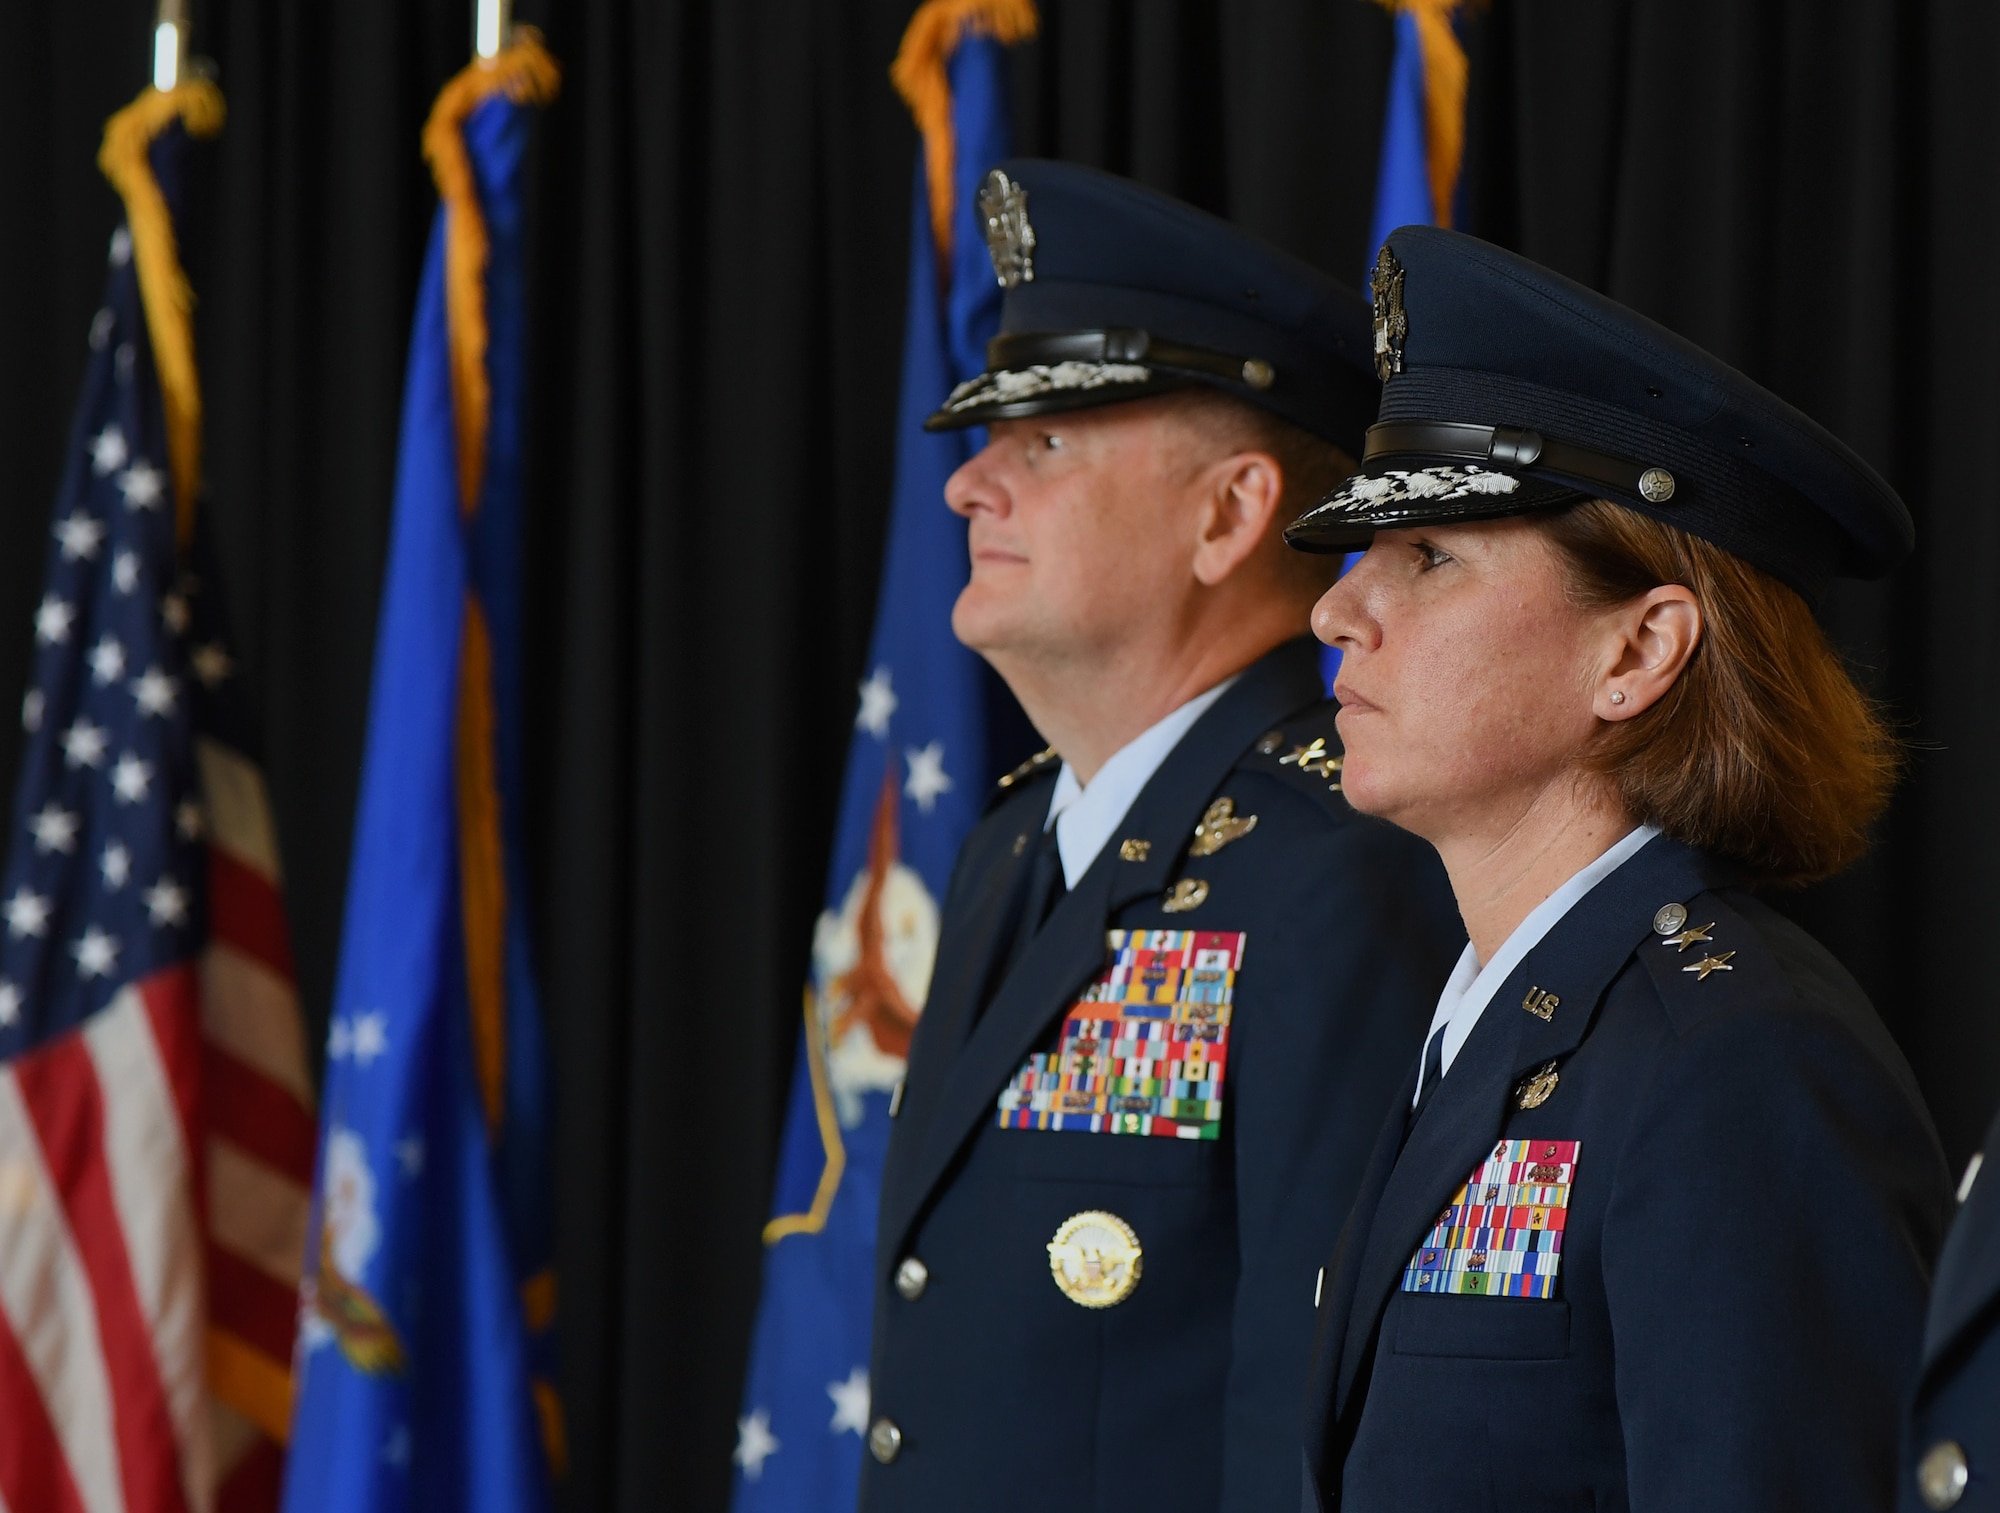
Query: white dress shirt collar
{"points": [[1471, 986], [1085, 816]]}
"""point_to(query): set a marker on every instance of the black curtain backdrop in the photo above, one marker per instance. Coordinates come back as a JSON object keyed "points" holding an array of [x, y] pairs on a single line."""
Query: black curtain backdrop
{"points": [[1807, 187]]}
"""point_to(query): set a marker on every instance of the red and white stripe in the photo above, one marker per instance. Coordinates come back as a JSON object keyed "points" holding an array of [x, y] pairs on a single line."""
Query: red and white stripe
{"points": [[146, 1298]]}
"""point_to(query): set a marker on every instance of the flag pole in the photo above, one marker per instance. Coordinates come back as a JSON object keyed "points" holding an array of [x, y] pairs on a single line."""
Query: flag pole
{"points": [[170, 43], [492, 23]]}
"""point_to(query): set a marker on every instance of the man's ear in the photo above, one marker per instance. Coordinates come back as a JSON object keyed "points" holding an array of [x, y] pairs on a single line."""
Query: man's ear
{"points": [[1240, 496], [1651, 640]]}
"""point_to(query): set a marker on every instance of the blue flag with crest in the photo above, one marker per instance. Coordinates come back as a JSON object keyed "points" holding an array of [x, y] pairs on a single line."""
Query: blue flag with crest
{"points": [[422, 1368], [918, 772]]}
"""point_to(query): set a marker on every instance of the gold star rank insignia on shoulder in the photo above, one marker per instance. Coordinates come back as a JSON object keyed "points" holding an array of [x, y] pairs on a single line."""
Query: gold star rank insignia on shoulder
{"points": [[1689, 936], [1710, 964]]}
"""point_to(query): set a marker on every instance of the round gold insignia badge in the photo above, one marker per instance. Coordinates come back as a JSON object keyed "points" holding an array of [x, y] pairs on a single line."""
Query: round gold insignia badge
{"points": [[1095, 1259]]}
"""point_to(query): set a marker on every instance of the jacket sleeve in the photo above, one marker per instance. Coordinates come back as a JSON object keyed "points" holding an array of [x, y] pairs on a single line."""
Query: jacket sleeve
{"points": [[1766, 1258], [1342, 968]]}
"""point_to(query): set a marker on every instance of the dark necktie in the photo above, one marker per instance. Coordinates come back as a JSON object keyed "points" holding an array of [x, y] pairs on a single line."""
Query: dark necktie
{"points": [[1045, 889], [1432, 1075]]}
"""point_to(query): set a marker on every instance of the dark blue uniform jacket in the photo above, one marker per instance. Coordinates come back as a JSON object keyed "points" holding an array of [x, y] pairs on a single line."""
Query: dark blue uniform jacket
{"points": [[1184, 1395], [1958, 1387], [1757, 1194]]}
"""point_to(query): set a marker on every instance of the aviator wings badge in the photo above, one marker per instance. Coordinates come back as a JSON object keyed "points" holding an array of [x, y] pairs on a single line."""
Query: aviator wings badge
{"points": [[1010, 240], [1392, 324]]}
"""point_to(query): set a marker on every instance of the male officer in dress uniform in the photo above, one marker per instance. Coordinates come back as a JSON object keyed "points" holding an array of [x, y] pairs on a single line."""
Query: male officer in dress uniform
{"points": [[1177, 977], [1952, 1449]]}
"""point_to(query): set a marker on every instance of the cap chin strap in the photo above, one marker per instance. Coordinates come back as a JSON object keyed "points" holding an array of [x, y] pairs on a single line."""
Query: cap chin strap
{"points": [[1027, 349], [1505, 447]]}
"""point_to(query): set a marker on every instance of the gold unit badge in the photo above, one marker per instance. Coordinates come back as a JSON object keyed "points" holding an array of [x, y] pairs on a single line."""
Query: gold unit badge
{"points": [[1095, 1259], [1188, 893], [1534, 1092], [1219, 826]]}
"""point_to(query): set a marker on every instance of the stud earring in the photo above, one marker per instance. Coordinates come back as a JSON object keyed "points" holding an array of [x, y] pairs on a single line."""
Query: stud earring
{"points": [[1617, 696]]}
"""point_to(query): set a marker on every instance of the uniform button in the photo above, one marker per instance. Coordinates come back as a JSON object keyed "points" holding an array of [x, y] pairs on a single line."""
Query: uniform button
{"points": [[912, 1277], [885, 1441], [1942, 1475]]}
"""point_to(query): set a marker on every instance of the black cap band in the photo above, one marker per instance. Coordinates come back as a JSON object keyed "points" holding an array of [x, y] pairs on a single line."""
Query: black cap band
{"points": [[1026, 349]]}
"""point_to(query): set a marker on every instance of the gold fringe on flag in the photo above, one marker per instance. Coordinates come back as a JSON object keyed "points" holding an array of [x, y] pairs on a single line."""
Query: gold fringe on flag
{"points": [[525, 73], [163, 286], [1445, 74], [919, 75]]}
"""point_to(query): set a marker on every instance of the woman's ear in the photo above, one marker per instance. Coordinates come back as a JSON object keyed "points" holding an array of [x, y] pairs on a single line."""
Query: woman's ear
{"points": [[1651, 640], [1242, 494]]}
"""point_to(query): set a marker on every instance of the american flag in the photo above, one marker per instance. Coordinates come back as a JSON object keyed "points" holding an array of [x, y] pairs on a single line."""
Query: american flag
{"points": [[156, 1125]]}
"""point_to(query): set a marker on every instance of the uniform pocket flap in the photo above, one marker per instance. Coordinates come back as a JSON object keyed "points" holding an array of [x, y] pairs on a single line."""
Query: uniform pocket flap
{"points": [[1480, 1328]]}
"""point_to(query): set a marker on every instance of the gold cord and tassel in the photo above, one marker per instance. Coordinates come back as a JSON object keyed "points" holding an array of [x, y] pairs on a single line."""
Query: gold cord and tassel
{"points": [[1446, 72], [163, 286], [919, 75]]}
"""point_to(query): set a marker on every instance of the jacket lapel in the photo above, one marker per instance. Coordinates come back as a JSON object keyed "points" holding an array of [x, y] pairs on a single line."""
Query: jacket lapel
{"points": [[969, 954], [1464, 1117], [1070, 947], [1968, 1273]]}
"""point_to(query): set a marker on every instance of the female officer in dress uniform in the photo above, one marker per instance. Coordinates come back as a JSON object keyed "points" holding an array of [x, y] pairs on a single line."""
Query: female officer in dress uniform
{"points": [[1652, 1226]]}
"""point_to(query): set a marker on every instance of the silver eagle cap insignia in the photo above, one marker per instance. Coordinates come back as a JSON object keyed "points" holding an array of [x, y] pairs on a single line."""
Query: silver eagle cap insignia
{"points": [[1392, 322], [1010, 239]]}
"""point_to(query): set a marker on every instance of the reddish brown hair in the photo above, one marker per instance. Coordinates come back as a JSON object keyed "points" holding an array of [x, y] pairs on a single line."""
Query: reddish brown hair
{"points": [[1764, 750]]}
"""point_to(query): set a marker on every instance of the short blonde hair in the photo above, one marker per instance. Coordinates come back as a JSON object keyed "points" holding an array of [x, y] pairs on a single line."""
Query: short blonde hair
{"points": [[1764, 750]]}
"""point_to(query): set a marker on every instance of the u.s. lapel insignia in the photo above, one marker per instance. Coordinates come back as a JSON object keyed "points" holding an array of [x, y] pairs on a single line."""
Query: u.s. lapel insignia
{"points": [[1709, 965], [1392, 323], [1096, 1259], [1010, 239], [1541, 1003], [1219, 826], [1535, 1090], [1188, 893]]}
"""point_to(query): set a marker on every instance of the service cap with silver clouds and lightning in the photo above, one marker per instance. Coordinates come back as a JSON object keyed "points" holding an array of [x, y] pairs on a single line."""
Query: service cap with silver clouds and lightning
{"points": [[1115, 292], [1508, 388]]}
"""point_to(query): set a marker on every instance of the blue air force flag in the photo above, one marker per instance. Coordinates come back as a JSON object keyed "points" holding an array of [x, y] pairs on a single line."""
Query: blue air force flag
{"points": [[918, 771], [426, 1305]]}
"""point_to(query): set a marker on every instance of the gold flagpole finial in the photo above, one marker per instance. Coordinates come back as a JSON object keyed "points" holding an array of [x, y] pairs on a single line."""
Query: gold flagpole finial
{"points": [[170, 44], [493, 23]]}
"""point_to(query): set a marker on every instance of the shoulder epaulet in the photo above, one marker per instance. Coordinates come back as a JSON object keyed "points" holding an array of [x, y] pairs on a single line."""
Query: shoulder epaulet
{"points": [[1042, 761], [1712, 959], [1304, 751]]}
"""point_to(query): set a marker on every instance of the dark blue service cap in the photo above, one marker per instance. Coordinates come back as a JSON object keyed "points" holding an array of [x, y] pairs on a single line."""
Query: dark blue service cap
{"points": [[1508, 388], [1115, 292]]}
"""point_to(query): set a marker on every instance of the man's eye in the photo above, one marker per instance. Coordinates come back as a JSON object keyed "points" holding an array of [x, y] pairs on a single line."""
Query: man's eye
{"points": [[1429, 556]]}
